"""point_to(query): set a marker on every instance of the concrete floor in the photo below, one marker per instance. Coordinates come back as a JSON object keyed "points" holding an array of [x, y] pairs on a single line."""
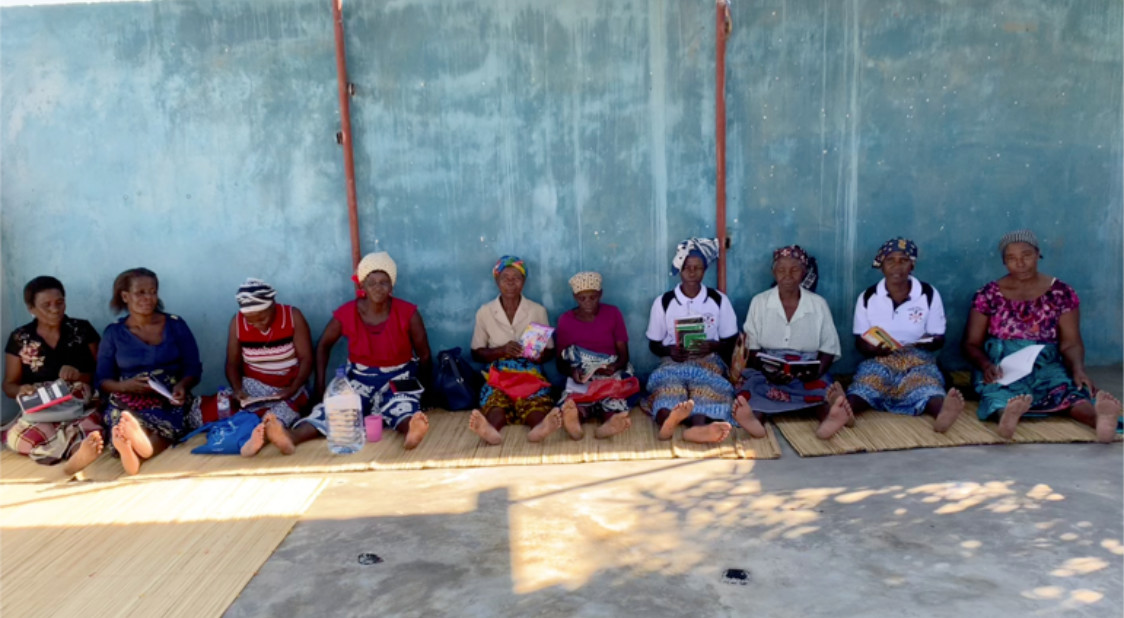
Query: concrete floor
{"points": [[974, 531]]}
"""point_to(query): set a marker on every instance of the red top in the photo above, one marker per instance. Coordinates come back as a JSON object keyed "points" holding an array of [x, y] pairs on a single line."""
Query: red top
{"points": [[385, 345], [270, 357]]}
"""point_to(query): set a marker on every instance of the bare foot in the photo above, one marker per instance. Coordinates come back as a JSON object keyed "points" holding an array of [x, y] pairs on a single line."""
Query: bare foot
{"points": [[419, 425], [278, 434], [571, 420], [481, 427], [132, 430], [839, 416], [1107, 408], [129, 459], [1016, 408], [677, 415], [707, 434], [834, 392], [550, 423], [89, 450], [950, 410], [256, 441], [745, 417], [617, 423]]}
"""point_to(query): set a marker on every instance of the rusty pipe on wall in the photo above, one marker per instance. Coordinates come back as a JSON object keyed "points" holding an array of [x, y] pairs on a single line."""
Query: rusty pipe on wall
{"points": [[344, 136], [722, 32]]}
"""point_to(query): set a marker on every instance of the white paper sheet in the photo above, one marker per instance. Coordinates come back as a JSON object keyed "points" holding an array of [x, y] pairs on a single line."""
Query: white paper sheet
{"points": [[1018, 365]]}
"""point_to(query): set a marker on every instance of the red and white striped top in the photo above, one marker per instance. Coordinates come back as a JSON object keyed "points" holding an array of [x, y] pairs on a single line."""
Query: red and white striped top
{"points": [[270, 356]]}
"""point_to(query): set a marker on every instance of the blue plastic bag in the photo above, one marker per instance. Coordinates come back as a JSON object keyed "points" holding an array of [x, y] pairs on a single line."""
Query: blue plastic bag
{"points": [[225, 437]]}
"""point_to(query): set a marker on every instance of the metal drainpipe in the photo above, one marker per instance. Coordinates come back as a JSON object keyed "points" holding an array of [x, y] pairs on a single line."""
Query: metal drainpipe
{"points": [[344, 136], [722, 32]]}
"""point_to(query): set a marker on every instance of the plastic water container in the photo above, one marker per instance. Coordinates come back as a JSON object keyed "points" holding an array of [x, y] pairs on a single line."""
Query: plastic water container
{"points": [[223, 402], [344, 411]]}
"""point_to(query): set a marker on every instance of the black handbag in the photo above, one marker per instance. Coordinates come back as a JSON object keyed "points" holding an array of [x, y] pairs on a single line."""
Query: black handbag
{"points": [[456, 382]]}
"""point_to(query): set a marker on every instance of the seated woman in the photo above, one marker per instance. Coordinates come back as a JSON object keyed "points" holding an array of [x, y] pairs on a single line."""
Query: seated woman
{"points": [[268, 362], [791, 322], [690, 384], [146, 347], [496, 341], [594, 345], [902, 378], [386, 341], [1026, 308], [53, 346]]}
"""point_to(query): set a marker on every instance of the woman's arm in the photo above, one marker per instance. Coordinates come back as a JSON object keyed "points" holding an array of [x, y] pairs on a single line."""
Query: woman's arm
{"points": [[13, 372], [71, 373], [511, 349], [975, 333], [328, 339], [1072, 348], [677, 353], [234, 359], [826, 359], [866, 349], [932, 346], [302, 345], [419, 339]]}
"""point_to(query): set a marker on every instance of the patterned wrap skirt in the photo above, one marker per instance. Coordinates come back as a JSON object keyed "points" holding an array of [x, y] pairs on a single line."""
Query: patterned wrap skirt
{"points": [[1048, 384], [702, 380], [516, 411], [372, 384], [902, 382]]}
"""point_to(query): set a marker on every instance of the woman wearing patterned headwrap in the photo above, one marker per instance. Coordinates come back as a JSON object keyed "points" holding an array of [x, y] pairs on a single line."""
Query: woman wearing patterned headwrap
{"points": [[692, 328], [1027, 308], [517, 392], [792, 342], [268, 361], [386, 341], [901, 376], [594, 357]]}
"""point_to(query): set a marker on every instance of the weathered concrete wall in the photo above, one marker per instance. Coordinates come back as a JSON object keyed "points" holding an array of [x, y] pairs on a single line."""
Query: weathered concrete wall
{"points": [[197, 138]]}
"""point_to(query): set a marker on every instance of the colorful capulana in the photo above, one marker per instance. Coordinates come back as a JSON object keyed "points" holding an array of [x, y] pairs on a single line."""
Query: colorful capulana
{"points": [[254, 295], [509, 261]]}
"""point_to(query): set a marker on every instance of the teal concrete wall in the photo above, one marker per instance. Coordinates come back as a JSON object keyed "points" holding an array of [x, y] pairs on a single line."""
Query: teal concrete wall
{"points": [[197, 138]]}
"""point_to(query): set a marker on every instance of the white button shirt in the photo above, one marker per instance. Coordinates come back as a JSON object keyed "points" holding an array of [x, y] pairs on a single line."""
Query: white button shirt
{"points": [[811, 328]]}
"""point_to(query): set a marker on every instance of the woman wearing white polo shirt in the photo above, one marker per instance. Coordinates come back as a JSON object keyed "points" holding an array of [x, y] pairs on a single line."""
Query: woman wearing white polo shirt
{"points": [[903, 379], [690, 385]]}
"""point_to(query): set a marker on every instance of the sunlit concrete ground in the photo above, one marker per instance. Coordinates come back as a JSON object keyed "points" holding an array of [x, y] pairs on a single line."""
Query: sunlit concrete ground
{"points": [[1023, 530]]}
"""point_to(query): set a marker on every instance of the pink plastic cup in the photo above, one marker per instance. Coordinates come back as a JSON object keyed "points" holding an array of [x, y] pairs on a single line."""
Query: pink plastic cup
{"points": [[373, 424]]}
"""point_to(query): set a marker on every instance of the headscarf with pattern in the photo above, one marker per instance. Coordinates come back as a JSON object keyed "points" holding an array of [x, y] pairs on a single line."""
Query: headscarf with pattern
{"points": [[811, 269], [705, 248], [254, 295], [506, 262], [904, 245]]}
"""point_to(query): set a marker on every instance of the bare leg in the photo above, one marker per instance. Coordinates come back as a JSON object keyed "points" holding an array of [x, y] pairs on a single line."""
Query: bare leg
{"points": [[838, 416], [1105, 413], [951, 407], [481, 427], [745, 417], [571, 420], [1016, 407], [300, 434], [668, 420], [129, 459], [835, 391], [549, 424], [256, 441], [136, 435], [415, 427], [87, 452], [708, 433], [617, 423], [279, 435]]}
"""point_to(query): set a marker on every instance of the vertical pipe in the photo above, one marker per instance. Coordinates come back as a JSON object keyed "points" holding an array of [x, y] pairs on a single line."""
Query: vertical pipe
{"points": [[722, 30], [345, 131]]}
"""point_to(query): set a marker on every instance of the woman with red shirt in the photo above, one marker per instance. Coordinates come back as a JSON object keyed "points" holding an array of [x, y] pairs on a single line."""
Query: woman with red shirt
{"points": [[386, 341]]}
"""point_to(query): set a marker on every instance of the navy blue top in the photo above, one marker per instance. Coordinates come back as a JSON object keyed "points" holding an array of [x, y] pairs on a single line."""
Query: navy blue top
{"points": [[123, 355]]}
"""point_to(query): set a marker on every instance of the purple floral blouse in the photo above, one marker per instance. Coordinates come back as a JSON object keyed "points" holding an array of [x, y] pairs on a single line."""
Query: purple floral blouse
{"points": [[1034, 320]]}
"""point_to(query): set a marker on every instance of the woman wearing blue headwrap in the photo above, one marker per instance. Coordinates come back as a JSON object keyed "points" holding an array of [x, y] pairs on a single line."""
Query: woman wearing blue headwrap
{"points": [[692, 328], [899, 325]]}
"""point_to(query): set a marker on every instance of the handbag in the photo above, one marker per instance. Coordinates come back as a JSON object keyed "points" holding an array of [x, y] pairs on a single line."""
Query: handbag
{"points": [[455, 381], [226, 436], [52, 403]]}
